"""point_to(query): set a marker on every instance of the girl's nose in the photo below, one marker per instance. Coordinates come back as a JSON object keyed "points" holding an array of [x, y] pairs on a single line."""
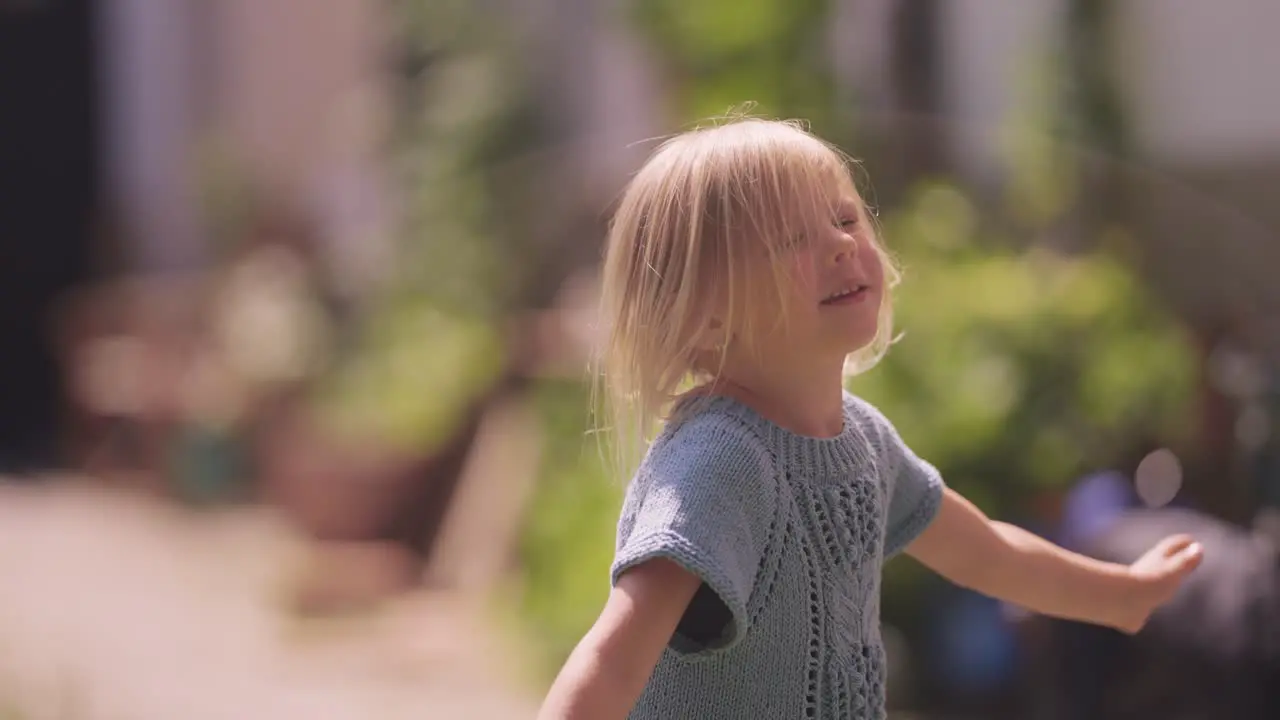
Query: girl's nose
{"points": [[845, 248]]}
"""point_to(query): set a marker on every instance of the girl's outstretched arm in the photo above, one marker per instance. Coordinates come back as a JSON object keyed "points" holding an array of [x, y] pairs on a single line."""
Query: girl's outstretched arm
{"points": [[609, 668], [1009, 563]]}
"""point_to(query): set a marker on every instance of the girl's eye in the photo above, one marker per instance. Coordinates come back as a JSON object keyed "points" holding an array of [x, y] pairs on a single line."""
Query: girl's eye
{"points": [[847, 224]]}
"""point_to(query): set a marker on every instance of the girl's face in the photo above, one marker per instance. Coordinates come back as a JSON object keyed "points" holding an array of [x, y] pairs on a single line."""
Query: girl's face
{"points": [[834, 288]]}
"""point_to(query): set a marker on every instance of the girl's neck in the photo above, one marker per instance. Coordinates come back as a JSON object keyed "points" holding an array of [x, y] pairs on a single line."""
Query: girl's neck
{"points": [[808, 404]]}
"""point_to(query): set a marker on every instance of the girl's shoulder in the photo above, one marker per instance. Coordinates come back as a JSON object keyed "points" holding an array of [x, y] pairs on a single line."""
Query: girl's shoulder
{"points": [[704, 440], [707, 430]]}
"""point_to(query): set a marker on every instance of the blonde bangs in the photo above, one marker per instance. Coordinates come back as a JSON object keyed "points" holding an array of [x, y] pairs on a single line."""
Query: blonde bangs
{"points": [[793, 181], [710, 212]]}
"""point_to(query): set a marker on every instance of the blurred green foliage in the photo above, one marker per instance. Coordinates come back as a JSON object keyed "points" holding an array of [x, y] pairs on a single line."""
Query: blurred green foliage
{"points": [[417, 370], [568, 541], [432, 343], [1019, 369], [720, 54]]}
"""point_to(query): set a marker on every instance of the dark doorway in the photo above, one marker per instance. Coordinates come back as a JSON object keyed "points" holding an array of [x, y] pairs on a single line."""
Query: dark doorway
{"points": [[48, 177]]}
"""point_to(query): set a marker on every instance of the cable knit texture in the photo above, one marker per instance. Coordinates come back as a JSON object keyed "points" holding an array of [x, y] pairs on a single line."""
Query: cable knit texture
{"points": [[789, 533]]}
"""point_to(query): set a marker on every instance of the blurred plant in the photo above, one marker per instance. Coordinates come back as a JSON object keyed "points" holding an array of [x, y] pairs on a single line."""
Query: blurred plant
{"points": [[720, 54], [1067, 138], [432, 345], [1019, 370], [567, 543]]}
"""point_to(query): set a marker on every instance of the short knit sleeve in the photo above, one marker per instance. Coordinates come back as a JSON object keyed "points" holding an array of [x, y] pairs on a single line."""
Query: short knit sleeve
{"points": [[914, 486], [704, 497]]}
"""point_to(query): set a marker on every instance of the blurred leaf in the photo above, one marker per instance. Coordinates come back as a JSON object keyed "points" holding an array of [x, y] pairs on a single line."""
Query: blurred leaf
{"points": [[419, 373]]}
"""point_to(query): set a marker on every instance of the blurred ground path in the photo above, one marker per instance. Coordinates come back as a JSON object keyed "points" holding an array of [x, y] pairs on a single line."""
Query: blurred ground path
{"points": [[117, 608]]}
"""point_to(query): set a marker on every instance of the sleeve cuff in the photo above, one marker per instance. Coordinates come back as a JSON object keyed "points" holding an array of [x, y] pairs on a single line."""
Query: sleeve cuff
{"points": [[903, 533], [671, 546]]}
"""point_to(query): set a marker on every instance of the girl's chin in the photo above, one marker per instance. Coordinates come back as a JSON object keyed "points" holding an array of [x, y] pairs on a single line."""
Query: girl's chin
{"points": [[858, 338]]}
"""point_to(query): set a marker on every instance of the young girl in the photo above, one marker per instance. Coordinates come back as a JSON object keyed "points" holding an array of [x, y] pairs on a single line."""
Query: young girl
{"points": [[747, 577]]}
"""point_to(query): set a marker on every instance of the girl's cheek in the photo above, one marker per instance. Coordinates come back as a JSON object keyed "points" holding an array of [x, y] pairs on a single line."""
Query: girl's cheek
{"points": [[805, 270], [869, 259]]}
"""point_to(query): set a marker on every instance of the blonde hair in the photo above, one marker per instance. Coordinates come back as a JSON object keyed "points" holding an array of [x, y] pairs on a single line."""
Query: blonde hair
{"points": [[708, 206]]}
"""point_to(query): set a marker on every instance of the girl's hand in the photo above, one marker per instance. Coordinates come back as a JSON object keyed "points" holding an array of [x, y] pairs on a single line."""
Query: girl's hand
{"points": [[1011, 564], [1158, 574]]}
